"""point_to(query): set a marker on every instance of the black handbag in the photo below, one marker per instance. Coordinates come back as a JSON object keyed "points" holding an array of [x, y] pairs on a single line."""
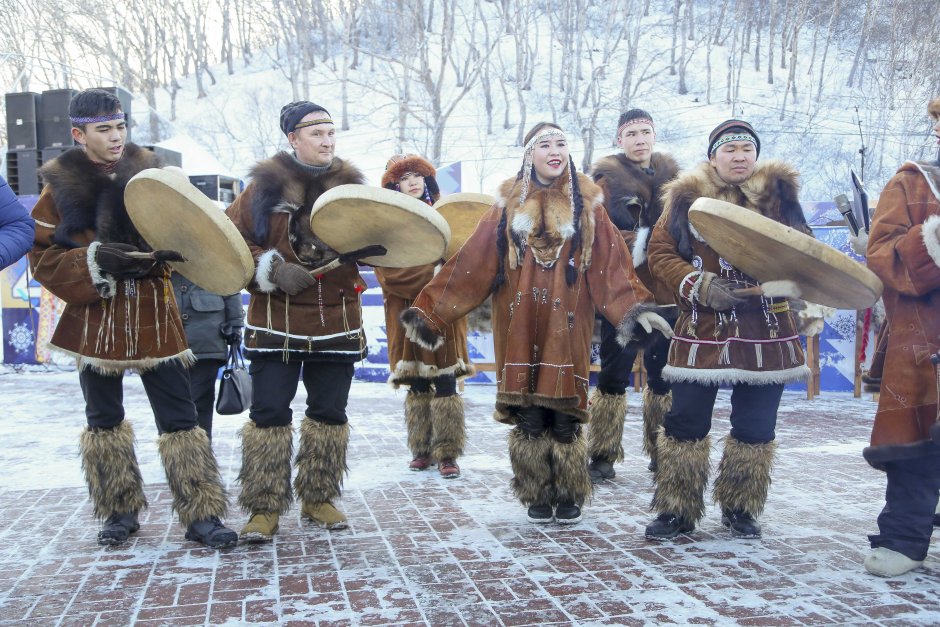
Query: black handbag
{"points": [[235, 387]]}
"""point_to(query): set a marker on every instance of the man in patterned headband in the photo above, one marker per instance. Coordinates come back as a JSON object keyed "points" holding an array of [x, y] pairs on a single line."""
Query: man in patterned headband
{"points": [[300, 326], [750, 344], [120, 315]]}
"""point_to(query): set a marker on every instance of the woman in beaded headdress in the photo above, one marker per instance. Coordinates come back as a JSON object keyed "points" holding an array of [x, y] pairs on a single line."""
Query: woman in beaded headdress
{"points": [[434, 412], [549, 255]]}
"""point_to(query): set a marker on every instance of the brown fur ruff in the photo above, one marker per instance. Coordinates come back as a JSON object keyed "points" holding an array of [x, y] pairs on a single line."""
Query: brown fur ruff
{"points": [[418, 422], [605, 435], [531, 467], [321, 461], [655, 408], [193, 475], [266, 468], [569, 471], [111, 471], [772, 190], [744, 476], [546, 220], [681, 476], [630, 189], [87, 198], [411, 163], [447, 416], [282, 184], [933, 108]]}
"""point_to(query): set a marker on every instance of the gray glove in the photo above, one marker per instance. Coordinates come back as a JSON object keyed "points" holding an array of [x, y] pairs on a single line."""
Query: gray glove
{"points": [[291, 278], [718, 293], [859, 243]]}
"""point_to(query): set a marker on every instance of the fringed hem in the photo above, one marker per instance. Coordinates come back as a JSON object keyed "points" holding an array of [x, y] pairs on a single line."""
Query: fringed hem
{"points": [[929, 233], [733, 376], [120, 366], [509, 400]]}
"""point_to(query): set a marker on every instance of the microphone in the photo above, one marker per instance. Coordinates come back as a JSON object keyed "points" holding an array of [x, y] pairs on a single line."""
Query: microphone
{"points": [[842, 202]]}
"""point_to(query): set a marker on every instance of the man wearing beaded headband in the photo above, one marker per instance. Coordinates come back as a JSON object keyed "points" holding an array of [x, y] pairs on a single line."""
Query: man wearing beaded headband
{"points": [[549, 255], [720, 338], [300, 326], [120, 315], [632, 181]]}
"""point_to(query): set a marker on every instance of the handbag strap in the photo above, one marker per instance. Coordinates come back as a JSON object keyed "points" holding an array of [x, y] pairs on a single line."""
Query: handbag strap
{"points": [[235, 357]]}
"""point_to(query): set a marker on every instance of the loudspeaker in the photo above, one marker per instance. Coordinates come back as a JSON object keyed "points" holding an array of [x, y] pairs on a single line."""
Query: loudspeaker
{"points": [[23, 172], [170, 157], [21, 120], [127, 100], [55, 129], [217, 187], [51, 152]]}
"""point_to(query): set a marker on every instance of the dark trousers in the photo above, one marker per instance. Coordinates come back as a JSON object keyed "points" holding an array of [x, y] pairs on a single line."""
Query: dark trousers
{"points": [[535, 421], [274, 384], [617, 362], [167, 388], [202, 378], [753, 411], [906, 521], [445, 385]]}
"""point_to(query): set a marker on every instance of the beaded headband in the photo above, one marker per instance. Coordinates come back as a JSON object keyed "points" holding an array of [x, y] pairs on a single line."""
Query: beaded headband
{"points": [[549, 131], [312, 122], [733, 137], [99, 118], [635, 121]]}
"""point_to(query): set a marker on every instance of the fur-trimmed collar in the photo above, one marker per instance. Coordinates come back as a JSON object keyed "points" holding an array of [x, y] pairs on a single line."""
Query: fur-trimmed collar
{"points": [[633, 197], [546, 220], [930, 171], [772, 190], [88, 198]]}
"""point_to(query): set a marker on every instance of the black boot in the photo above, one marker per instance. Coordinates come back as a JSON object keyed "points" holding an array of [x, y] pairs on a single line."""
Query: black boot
{"points": [[567, 514], [211, 533], [668, 526], [540, 514], [600, 469], [117, 528], [741, 523]]}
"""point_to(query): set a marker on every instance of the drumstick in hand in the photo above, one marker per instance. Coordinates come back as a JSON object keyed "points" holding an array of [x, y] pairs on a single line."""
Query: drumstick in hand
{"points": [[158, 255], [771, 289]]}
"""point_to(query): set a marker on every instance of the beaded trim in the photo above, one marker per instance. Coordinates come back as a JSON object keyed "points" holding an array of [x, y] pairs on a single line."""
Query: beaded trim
{"points": [[733, 137], [312, 122], [99, 118]]}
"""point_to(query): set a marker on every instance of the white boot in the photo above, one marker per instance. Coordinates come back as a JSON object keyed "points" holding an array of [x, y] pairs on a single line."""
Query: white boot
{"points": [[887, 563]]}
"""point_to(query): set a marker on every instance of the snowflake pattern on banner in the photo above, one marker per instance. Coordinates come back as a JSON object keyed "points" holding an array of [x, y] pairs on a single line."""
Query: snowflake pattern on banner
{"points": [[21, 338]]}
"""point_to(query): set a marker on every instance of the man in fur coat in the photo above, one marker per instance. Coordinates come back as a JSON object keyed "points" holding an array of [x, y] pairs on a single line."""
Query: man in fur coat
{"points": [[632, 182], [904, 251], [549, 255], [120, 315], [720, 338], [303, 323]]}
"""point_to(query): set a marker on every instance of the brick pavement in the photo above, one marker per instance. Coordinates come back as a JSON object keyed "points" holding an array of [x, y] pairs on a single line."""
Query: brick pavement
{"points": [[425, 551]]}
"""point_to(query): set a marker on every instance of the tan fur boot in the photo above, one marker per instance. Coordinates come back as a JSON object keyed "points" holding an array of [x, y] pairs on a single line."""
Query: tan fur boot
{"points": [[449, 438], [111, 471], [266, 466], [193, 475], [419, 426], [572, 484], [681, 477], [321, 463], [605, 434], [655, 408], [531, 467], [744, 476]]}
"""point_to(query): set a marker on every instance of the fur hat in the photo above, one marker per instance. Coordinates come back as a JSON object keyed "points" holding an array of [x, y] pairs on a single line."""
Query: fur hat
{"points": [[731, 126], [933, 108], [399, 165], [293, 112]]}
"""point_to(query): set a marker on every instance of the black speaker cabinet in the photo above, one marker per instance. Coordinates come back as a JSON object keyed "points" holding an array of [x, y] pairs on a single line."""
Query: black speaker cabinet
{"points": [[51, 152], [127, 100], [170, 157], [21, 120], [23, 171], [55, 129], [217, 187]]}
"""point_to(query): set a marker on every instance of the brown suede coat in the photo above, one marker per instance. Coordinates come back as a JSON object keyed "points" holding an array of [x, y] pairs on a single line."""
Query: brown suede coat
{"points": [[709, 347], [409, 361], [110, 326], [904, 252], [633, 198], [541, 325], [324, 322]]}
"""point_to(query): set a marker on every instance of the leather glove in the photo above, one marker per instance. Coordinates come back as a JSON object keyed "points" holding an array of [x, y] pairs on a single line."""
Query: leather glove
{"points": [[231, 335], [376, 250], [859, 243], [114, 260], [291, 278], [651, 321], [718, 293]]}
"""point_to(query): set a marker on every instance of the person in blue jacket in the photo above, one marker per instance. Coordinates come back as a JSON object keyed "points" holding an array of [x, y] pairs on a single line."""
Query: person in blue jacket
{"points": [[16, 227]]}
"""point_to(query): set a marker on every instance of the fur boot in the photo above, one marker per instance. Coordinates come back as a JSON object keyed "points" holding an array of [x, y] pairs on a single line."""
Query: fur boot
{"points": [[265, 472], [193, 475], [418, 422], [681, 476], [111, 471], [569, 471], [321, 461], [605, 434], [655, 408], [449, 433], [531, 467], [744, 476]]}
